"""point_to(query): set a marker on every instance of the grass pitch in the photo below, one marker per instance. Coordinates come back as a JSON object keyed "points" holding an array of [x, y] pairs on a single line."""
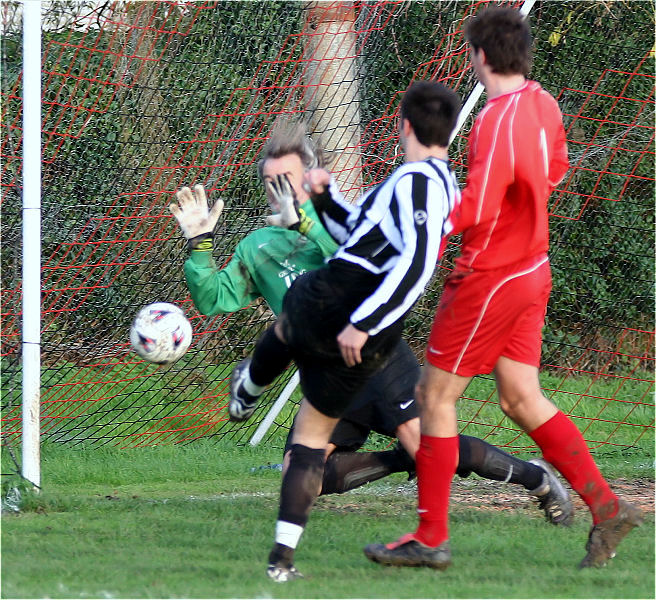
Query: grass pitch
{"points": [[196, 522]]}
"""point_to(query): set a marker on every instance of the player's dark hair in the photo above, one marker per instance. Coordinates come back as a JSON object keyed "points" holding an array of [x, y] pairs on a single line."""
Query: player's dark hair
{"points": [[505, 37], [291, 137], [432, 109]]}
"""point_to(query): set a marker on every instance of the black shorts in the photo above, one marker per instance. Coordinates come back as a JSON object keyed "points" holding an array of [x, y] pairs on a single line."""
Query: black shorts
{"points": [[385, 402], [316, 309]]}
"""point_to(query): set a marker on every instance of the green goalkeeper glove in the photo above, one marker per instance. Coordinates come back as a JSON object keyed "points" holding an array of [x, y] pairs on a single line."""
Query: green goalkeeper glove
{"points": [[196, 220], [291, 216]]}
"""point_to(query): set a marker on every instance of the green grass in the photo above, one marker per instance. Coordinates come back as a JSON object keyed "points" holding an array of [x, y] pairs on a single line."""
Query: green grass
{"points": [[607, 409], [140, 405], [195, 522]]}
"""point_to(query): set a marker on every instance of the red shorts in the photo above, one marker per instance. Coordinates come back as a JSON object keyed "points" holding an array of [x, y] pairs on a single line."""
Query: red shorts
{"points": [[483, 315]]}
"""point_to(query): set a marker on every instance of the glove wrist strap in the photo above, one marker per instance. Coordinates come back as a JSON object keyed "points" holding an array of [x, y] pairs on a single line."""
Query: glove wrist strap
{"points": [[202, 243], [304, 224]]}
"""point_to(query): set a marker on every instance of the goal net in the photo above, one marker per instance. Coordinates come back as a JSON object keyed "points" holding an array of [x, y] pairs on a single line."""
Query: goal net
{"points": [[140, 98]]}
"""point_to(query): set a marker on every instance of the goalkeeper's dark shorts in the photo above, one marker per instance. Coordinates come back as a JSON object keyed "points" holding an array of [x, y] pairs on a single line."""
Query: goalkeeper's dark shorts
{"points": [[315, 310], [385, 402]]}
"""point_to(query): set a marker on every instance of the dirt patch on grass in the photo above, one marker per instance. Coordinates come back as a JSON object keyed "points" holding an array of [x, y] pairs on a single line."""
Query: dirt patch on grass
{"points": [[473, 493], [492, 495]]}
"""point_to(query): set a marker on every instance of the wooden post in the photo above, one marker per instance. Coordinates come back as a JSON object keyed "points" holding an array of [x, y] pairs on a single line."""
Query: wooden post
{"points": [[333, 89]]}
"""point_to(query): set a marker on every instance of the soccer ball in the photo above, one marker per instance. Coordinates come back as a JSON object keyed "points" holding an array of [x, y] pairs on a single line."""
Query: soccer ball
{"points": [[160, 333]]}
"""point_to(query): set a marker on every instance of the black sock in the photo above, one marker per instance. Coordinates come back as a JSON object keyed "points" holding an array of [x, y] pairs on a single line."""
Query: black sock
{"points": [[490, 462], [300, 485], [299, 490], [348, 470], [281, 555], [270, 358]]}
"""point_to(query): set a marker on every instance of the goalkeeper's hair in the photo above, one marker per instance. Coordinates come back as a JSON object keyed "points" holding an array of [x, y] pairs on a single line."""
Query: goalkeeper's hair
{"points": [[291, 137], [505, 37]]}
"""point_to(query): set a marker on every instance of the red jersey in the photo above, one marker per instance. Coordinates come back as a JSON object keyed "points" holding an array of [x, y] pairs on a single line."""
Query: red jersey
{"points": [[517, 155]]}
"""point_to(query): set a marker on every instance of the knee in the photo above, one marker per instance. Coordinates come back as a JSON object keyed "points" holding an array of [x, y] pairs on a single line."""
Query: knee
{"points": [[507, 406], [519, 388], [428, 400], [517, 402], [510, 404], [431, 397]]}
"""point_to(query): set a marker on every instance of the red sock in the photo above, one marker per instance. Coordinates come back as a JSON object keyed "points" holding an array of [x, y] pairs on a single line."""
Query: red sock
{"points": [[564, 447], [437, 459]]}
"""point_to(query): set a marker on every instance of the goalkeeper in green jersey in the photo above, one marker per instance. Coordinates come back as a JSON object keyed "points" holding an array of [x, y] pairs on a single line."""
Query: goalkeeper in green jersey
{"points": [[264, 265], [267, 260]]}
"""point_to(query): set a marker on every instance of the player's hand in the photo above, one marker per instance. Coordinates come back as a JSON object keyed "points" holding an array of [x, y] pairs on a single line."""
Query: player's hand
{"points": [[195, 218], [290, 215], [350, 342], [316, 181], [282, 192]]}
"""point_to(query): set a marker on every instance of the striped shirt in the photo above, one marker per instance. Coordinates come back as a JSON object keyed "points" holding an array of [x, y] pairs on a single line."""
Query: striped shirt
{"points": [[396, 230]]}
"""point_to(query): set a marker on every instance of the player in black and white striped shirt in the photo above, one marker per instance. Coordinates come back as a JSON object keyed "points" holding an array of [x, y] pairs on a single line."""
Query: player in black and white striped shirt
{"points": [[395, 232], [341, 322]]}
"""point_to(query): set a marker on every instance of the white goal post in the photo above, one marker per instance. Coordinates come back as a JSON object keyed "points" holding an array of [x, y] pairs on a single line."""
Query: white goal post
{"points": [[31, 302]]}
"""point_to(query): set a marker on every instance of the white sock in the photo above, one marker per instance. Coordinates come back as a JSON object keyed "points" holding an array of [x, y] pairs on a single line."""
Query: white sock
{"points": [[288, 534], [252, 388]]}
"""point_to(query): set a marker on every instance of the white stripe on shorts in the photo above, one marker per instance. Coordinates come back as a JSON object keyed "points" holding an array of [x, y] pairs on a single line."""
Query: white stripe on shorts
{"points": [[486, 304]]}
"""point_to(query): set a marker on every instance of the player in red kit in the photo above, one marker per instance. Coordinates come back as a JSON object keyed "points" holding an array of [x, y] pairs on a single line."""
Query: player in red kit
{"points": [[493, 306]]}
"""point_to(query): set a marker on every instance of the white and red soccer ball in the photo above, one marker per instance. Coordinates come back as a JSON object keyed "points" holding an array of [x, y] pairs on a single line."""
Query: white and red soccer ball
{"points": [[160, 333]]}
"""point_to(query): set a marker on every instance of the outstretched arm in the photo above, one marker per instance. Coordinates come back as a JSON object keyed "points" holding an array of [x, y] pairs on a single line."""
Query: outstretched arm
{"points": [[213, 290], [216, 291]]}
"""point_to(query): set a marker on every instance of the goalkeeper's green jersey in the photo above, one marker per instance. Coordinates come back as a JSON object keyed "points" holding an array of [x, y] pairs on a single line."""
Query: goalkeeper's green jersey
{"points": [[264, 264]]}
